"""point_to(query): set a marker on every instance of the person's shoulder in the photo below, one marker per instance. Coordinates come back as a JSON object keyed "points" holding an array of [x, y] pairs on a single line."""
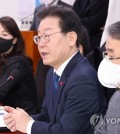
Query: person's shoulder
{"points": [[14, 58], [85, 70], [115, 99], [114, 106], [39, 7], [85, 64], [80, 63]]}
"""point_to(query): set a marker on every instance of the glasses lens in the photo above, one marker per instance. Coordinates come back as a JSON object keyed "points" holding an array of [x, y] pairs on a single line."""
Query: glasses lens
{"points": [[45, 38]]}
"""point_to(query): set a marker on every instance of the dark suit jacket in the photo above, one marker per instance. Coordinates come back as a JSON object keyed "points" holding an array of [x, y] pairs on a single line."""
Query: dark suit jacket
{"points": [[79, 97], [93, 14], [21, 91]]}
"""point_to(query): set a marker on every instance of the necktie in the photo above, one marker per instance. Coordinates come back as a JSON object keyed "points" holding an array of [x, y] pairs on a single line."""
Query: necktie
{"points": [[55, 80]]}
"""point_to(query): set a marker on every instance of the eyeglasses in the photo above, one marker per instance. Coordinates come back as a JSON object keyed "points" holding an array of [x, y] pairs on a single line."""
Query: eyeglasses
{"points": [[45, 38], [110, 58]]}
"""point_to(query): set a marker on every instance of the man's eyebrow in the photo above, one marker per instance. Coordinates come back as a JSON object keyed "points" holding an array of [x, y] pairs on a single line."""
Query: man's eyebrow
{"points": [[109, 49]]}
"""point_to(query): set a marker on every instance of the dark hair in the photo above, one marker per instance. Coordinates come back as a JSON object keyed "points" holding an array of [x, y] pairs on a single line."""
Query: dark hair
{"points": [[69, 21], [85, 41], [114, 30], [11, 27]]}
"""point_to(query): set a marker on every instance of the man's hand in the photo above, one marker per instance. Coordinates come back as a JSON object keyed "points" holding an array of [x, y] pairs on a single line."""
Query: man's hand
{"points": [[16, 119], [9, 118]]}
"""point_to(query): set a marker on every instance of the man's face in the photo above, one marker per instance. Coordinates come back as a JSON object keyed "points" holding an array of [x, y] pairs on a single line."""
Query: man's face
{"points": [[57, 49], [113, 49]]}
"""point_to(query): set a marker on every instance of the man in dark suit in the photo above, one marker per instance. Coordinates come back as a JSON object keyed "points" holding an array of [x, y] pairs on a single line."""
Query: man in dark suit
{"points": [[73, 93], [41, 68]]}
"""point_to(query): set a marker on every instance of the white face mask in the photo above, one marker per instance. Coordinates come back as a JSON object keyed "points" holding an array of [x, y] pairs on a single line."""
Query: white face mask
{"points": [[109, 74]]}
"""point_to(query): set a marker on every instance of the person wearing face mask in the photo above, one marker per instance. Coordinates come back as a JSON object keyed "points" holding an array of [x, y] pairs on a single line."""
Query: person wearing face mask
{"points": [[20, 90], [109, 76]]}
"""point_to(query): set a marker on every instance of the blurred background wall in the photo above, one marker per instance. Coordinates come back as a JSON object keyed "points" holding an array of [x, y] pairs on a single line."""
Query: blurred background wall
{"points": [[22, 10]]}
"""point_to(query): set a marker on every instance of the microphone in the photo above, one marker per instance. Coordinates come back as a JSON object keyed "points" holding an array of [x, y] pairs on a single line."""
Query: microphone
{"points": [[8, 79]]}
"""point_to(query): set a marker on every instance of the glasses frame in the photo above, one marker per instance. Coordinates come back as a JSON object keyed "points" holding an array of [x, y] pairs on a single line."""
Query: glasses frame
{"points": [[105, 55], [37, 39]]}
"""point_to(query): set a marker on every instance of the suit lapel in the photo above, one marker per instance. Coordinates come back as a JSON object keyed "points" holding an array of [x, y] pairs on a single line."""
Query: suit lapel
{"points": [[50, 95], [60, 88], [68, 69]]}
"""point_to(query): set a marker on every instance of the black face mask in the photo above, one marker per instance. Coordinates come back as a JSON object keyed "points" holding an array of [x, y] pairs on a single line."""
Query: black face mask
{"points": [[5, 45]]}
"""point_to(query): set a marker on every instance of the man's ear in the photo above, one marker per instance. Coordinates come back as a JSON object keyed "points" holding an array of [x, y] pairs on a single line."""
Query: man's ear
{"points": [[72, 38], [14, 40]]}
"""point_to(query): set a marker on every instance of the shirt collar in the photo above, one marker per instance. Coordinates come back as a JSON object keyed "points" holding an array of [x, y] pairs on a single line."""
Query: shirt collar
{"points": [[60, 70]]}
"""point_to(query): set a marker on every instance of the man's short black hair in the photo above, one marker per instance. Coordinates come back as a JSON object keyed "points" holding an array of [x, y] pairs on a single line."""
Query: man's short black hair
{"points": [[69, 21]]}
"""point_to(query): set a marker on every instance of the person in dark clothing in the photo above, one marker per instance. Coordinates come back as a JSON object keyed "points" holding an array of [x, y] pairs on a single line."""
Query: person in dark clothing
{"points": [[20, 91], [41, 71], [93, 14]]}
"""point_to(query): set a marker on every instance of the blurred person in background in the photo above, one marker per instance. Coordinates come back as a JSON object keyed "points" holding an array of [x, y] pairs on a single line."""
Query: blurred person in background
{"points": [[41, 71], [93, 14], [109, 76], [20, 90]]}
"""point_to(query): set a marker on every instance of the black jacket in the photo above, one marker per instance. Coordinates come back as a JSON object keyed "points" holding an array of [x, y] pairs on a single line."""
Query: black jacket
{"points": [[19, 92], [93, 14]]}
